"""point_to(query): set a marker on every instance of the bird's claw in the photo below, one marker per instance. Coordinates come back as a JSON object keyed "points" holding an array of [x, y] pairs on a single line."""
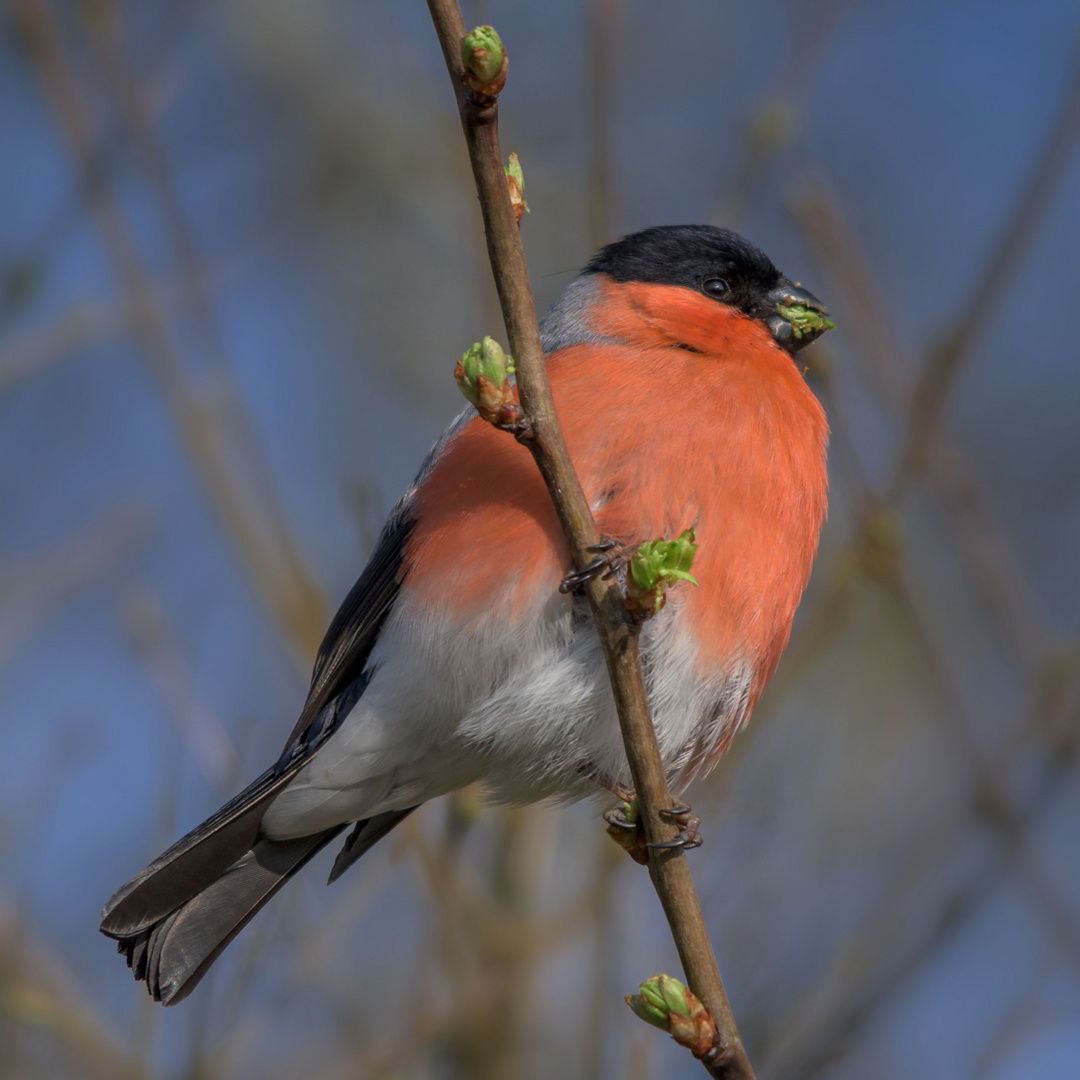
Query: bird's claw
{"points": [[601, 566], [624, 827], [688, 836], [598, 567], [617, 818]]}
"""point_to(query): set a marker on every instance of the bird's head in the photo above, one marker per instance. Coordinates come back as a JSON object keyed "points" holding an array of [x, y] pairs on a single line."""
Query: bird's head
{"points": [[692, 283]]}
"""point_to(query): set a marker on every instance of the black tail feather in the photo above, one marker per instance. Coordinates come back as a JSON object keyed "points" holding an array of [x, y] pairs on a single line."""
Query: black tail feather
{"points": [[193, 862], [174, 953], [173, 920], [365, 835]]}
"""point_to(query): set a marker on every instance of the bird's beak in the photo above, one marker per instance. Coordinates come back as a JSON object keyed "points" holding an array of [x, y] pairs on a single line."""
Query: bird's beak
{"points": [[798, 318]]}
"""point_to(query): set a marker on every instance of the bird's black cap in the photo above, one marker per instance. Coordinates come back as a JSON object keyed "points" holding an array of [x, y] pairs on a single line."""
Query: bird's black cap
{"points": [[715, 261], [690, 255]]}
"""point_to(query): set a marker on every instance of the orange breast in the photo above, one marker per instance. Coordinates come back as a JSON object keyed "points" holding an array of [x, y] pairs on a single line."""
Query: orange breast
{"points": [[729, 440]]}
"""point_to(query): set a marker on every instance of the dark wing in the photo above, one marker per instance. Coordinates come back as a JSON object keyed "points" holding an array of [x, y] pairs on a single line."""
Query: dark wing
{"points": [[199, 859], [352, 634]]}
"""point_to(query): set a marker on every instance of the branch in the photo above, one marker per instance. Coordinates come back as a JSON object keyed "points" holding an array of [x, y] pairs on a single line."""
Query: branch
{"points": [[668, 869]]}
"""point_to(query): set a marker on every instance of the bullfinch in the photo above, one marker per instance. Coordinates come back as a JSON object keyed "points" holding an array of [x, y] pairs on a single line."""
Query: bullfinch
{"points": [[457, 659]]}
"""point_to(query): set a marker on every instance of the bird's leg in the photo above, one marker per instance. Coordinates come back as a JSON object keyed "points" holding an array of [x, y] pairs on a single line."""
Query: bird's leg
{"points": [[624, 819], [608, 554], [606, 781]]}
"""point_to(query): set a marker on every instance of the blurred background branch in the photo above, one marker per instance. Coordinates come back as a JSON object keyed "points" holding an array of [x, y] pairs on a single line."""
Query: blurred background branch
{"points": [[214, 428]]}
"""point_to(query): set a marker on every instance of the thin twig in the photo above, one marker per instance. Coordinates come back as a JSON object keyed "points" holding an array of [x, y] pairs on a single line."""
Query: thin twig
{"points": [[864, 974], [604, 19], [669, 870], [980, 539], [994, 802], [31, 351]]}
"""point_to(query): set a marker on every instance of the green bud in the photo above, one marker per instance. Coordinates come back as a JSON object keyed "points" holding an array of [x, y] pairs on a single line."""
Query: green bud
{"points": [[665, 994], [483, 54], [660, 996], [658, 562], [644, 1009], [484, 358], [515, 183], [481, 375], [654, 568], [514, 170], [667, 1004], [804, 320]]}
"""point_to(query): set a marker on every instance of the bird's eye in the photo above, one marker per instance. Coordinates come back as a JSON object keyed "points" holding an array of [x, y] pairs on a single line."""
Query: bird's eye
{"points": [[716, 287]]}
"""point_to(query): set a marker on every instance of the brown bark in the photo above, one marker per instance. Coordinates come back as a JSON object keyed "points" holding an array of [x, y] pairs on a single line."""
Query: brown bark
{"points": [[668, 869]]}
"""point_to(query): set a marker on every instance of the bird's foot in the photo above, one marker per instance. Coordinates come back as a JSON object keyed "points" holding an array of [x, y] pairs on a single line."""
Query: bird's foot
{"points": [[624, 824], [688, 836], [624, 827], [607, 553]]}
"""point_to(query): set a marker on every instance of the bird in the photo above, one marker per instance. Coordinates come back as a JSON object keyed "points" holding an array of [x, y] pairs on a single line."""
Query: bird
{"points": [[456, 658]]}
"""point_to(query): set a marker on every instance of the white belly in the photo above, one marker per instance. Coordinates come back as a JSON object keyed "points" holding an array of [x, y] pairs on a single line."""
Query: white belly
{"points": [[521, 709]]}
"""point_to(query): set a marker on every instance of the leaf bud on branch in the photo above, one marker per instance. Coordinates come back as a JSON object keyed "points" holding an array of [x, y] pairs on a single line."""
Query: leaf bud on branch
{"points": [[654, 568], [667, 1004], [484, 60], [482, 375], [515, 183]]}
